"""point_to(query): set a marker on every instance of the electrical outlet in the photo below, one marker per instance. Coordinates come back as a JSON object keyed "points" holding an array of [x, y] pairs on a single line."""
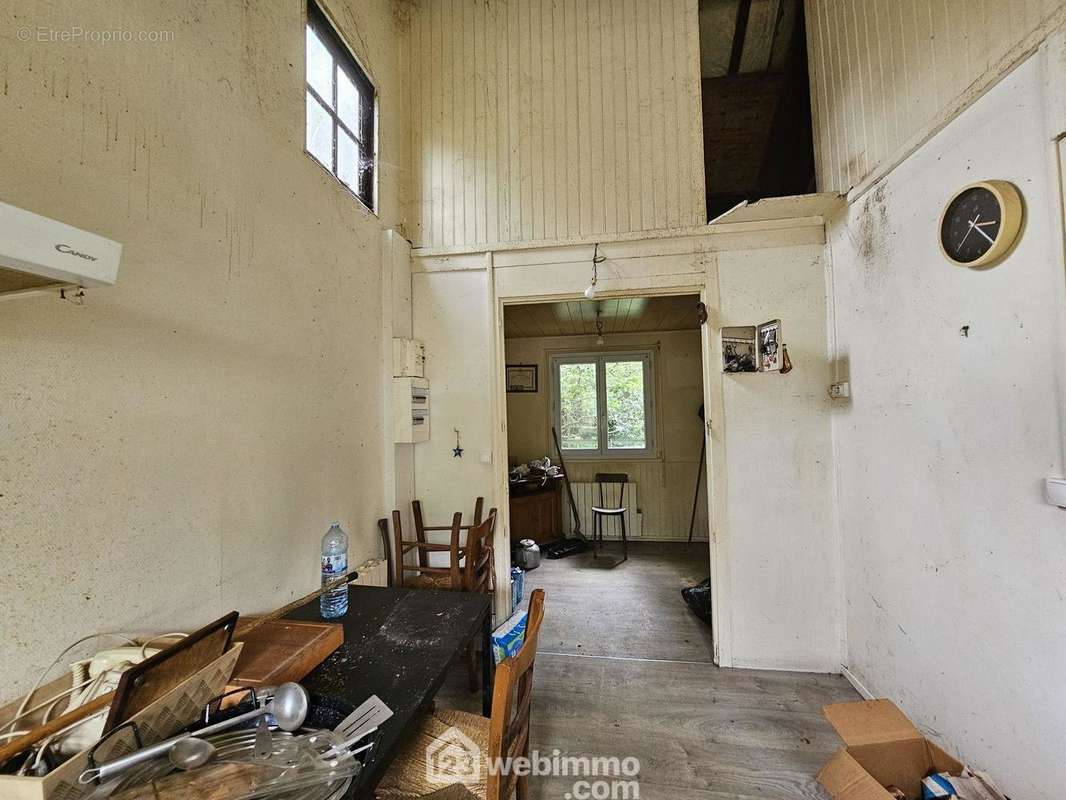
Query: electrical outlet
{"points": [[839, 391]]}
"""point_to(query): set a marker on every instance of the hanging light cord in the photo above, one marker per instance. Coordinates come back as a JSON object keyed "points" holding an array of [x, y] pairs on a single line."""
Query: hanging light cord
{"points": [[590, 292], [597, 259]]}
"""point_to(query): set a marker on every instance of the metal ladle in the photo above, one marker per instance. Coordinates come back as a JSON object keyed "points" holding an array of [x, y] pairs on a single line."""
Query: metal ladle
{"points": [[191, 753], [288, 707]]}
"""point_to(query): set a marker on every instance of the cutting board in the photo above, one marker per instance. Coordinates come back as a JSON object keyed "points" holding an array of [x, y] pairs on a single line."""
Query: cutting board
{"points": [[279, 650], [144, 683]]}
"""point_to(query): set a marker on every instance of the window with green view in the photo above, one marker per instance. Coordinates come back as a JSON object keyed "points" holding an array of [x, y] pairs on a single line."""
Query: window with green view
{"points": [[602, 403]]}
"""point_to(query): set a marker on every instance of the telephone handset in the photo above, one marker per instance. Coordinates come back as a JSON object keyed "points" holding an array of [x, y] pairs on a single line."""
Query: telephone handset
{"points": [[97, 676]]}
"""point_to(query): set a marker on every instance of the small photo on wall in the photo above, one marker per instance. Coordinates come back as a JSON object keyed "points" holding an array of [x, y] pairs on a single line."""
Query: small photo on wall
{"points": [[738, 349], [521, 378], [769, 341]]}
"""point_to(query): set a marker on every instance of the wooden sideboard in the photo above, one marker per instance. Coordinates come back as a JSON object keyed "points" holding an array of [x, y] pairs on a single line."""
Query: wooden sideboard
{"points": [[537, 515]]}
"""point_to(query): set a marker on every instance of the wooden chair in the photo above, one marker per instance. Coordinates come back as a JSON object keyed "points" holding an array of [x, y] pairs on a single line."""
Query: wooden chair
{"points": [[479, 575], [504, 735], [479, 572], [450, 578], [428, 577], [390, 565], [421, 527], [603, 511], [471, 568]]}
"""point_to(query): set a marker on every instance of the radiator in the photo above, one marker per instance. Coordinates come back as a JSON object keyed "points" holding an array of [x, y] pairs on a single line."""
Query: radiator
{"points": [[374, 572], [586, 495]]}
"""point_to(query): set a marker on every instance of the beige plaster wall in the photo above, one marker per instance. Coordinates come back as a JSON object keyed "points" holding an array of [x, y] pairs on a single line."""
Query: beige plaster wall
{"points": [[176, 446]]}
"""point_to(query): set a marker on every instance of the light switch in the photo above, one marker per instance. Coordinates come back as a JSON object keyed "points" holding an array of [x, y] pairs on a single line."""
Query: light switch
{"points": [[1056, 491]]}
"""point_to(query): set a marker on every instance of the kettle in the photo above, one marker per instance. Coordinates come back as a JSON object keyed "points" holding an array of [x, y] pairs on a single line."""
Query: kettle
{"points": [[527, 555]]}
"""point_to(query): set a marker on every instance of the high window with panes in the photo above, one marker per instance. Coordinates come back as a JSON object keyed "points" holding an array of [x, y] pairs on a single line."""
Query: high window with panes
{"points": [[340, 108]]}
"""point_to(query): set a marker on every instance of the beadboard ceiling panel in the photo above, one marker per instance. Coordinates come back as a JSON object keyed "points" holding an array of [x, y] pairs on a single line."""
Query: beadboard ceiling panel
{"points": [[617, 315], [887, 74], [553, 120]]}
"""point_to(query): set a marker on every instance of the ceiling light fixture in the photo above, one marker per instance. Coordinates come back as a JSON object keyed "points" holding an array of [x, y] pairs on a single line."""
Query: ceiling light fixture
{"points": [[590, 292]]}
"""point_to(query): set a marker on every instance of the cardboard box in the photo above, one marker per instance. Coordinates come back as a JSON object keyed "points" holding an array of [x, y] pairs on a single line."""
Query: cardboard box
{"points": [[881, 748]]}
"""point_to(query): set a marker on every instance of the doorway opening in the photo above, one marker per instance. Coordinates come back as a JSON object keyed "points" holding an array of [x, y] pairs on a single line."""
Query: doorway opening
{"points": [[605, 437]]}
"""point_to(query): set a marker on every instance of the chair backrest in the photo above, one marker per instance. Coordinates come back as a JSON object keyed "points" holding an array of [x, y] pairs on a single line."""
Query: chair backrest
{"points": [[512, 696], [402, 547], [390, 563], [613, 478], [479, 573]]}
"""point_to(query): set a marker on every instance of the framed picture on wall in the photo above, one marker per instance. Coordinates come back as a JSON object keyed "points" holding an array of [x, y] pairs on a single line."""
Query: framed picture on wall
{"points": [[521, 378]]}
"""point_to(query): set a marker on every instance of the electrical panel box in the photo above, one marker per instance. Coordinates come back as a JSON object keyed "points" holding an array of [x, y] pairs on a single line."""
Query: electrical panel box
{"points": [[410, 397], [408, 358]]}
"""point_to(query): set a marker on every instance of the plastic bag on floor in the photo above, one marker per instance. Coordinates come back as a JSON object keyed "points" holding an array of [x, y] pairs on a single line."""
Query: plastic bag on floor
{"points": [[698, 598]]}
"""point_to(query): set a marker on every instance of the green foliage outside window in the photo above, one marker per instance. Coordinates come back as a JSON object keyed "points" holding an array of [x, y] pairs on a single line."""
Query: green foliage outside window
{"points": [[579, 407], [625, 405]]}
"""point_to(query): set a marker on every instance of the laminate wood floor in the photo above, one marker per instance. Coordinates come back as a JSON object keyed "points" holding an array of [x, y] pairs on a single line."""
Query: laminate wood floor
{"points": [[625, 670], [603, 606]]}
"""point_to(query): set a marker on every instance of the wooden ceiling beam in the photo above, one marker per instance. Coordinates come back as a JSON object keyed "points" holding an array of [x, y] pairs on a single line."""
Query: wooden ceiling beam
{"points": [[739, 33]]}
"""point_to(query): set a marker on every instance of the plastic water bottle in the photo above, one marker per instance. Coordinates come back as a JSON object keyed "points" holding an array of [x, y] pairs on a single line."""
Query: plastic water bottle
{"points": [[334, 603]]}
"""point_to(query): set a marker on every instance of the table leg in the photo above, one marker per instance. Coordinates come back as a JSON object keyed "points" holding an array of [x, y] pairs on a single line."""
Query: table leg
{"points": [[488, 663]]}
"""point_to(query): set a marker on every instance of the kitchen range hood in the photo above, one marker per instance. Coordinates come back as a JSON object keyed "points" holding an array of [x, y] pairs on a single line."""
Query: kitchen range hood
{"points": [[38, 253]]}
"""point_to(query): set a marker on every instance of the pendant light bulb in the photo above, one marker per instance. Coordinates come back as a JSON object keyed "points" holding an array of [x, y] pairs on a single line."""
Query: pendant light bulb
{"points": [[590, 292]]}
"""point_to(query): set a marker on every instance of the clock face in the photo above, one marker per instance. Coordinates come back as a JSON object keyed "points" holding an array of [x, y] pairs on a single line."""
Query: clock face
{"points": [[971, 225]]}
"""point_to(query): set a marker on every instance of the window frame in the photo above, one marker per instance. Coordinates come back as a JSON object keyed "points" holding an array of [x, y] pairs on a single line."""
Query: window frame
{"points": [[366, 137], [601, 358]]}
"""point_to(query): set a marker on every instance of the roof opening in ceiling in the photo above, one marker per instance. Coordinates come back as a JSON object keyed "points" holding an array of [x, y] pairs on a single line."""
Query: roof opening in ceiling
{"points": [[758, 141]]}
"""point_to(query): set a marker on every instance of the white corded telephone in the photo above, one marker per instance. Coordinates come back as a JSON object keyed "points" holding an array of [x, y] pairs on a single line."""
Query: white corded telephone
{"points": [[97, 676]]}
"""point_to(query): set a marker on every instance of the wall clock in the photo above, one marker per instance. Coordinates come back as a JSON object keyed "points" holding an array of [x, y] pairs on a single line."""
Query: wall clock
{"points": [[980, 224]]}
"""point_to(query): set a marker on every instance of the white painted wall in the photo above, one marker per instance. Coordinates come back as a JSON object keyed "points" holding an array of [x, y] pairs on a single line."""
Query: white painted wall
{"points": [[778, 546], [177, 446], [399, 465], [451, 314], [784, 548], [955, 566]]}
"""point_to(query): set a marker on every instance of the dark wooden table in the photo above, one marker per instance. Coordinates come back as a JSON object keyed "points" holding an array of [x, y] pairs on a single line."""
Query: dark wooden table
{"points": [[399, 644]]}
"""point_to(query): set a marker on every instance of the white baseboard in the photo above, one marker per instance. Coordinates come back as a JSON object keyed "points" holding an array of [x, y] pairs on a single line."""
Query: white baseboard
{"points": [[816, 667], [860, 687]]}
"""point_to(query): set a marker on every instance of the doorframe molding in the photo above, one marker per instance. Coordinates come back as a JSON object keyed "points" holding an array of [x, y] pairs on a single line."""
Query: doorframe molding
{"points": [[694, 270]]}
